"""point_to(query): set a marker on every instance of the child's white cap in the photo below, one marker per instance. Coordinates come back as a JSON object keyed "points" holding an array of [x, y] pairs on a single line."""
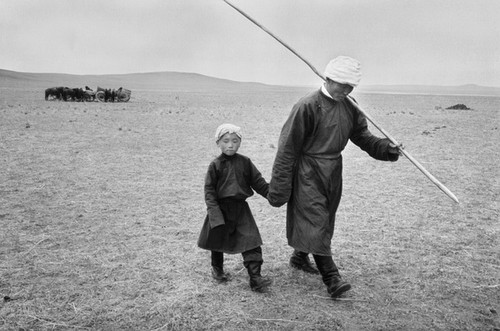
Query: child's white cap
{"points": [[227, 128]]}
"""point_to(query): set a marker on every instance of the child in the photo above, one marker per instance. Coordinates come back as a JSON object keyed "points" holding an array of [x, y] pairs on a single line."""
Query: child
{"points": [[229, 226]]}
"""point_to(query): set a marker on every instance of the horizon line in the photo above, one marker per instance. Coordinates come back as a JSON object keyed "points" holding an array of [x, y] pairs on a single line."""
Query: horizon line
{"points": [[252, 82]]}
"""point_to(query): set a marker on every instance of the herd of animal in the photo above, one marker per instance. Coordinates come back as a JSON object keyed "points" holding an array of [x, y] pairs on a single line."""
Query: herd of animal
{"points": [[79, 94]]}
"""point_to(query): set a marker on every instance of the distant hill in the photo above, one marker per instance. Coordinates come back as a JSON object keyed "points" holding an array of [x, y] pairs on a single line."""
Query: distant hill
{"points": [[469, 89], [181, 81], [173, 81]]}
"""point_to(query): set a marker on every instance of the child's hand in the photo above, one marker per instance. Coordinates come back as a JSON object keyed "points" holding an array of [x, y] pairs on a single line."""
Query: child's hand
{"points": [[215, 218], [272, 202]]}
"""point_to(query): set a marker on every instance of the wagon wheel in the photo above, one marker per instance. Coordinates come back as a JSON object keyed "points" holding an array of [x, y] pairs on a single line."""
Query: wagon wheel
{"points": [[124, 97], [100, 96]]}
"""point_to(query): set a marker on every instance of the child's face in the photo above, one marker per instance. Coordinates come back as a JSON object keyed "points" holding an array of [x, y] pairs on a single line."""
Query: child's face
{"points": [[229, 143]]}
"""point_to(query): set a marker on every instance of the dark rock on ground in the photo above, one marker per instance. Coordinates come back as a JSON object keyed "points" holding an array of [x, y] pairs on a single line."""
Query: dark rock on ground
{"points": [[459, 106]]}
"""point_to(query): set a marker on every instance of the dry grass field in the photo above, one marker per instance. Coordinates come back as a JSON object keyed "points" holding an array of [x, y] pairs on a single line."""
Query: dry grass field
{"points": [[101, 205]]}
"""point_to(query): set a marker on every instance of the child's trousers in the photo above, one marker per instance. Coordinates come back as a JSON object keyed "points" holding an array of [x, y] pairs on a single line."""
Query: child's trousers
{"points": [[252, 255]]}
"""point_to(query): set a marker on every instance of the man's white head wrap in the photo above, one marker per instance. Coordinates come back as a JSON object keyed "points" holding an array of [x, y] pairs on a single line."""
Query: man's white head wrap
{"points": [[344, 70], [227, 128]]}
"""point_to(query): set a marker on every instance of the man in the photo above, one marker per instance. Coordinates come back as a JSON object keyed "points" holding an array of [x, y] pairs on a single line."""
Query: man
{"points": [[307, 171]]}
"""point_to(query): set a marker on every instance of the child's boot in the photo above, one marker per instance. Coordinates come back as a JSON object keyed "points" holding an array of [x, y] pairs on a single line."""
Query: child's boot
{"points": [[219, 275], [258, 283], [218, 267]]}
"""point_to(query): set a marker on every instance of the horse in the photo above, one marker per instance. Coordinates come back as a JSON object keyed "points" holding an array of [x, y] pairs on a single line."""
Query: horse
{"points": [[109, 95], [67, 94], [78, 94], [55, 92]]}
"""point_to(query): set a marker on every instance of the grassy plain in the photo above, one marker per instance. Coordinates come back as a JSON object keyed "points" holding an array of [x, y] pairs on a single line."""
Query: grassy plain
{"points": [[101, 206]]}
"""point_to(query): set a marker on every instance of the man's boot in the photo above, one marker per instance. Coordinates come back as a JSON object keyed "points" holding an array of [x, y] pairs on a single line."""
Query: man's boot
{"points": [[300, 260], [258, 283], [331, 277], [218, 267]]}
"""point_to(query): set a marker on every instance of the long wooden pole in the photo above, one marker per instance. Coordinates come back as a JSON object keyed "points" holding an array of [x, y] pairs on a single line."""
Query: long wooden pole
{"points": [[368, 117]]}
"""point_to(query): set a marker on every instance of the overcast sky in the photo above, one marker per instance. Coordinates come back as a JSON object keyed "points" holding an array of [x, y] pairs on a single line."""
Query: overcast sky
{"points": [[433, 42]]}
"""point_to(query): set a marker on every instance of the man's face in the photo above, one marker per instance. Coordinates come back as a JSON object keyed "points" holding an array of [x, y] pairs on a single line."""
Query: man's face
{"points": [[229, 144], [338, 91]]}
